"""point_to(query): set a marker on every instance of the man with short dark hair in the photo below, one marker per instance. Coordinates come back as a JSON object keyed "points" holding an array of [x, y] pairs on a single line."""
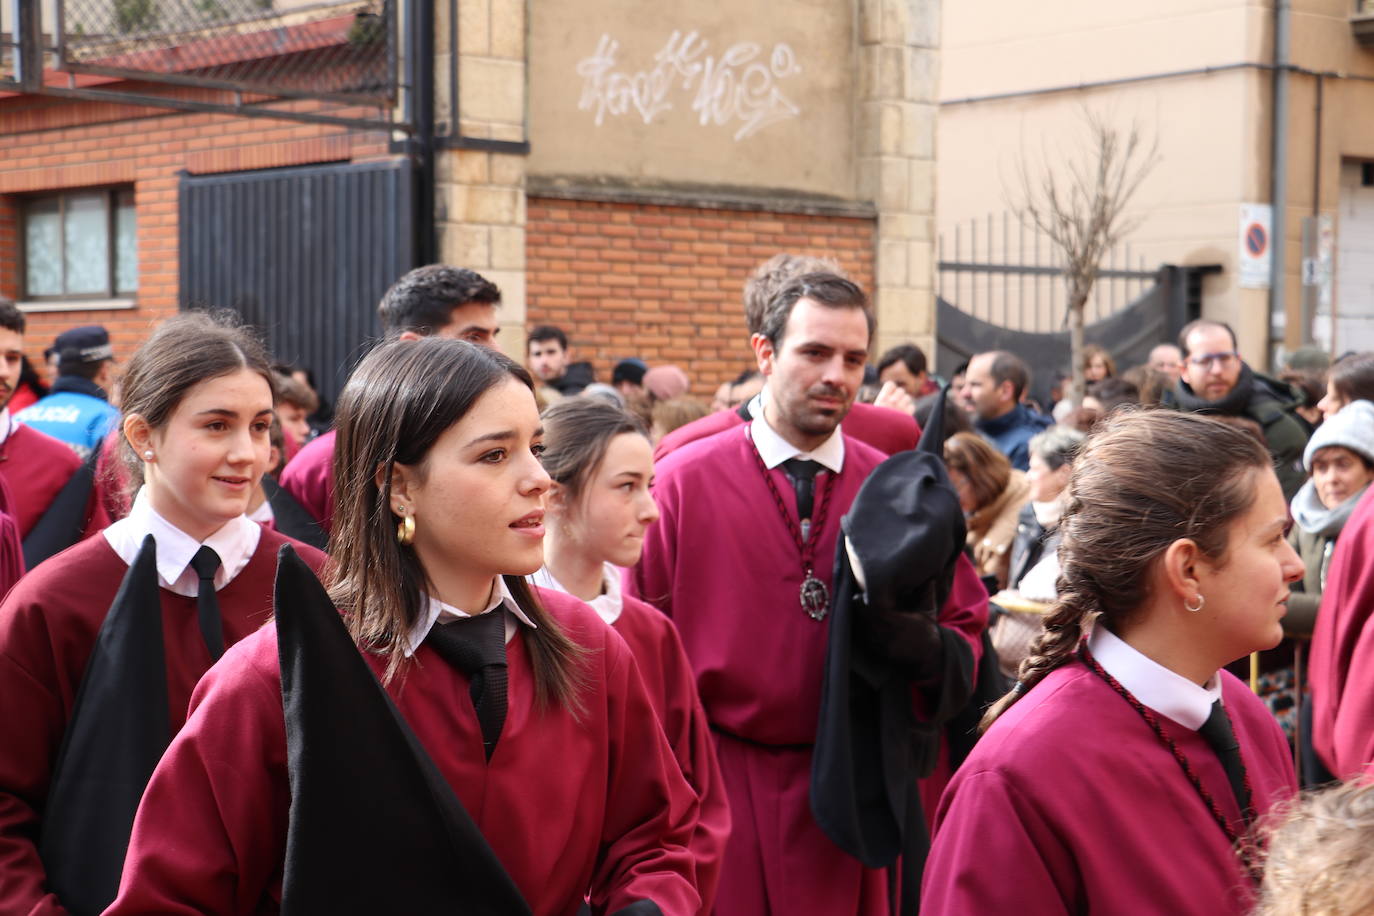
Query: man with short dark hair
{"points": [[887, 429], [549, 361], [433, 301], [993, 386], [1217, 381], [742, 559], [905, 366], [35, 466], [77, 410]]}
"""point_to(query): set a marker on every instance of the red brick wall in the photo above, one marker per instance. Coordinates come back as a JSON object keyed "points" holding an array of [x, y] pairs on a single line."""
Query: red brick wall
{"points": [[664, 283], [49, 145]]}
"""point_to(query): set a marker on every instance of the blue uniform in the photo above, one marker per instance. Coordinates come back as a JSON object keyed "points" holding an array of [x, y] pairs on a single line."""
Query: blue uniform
{"points": [[72, 416]]}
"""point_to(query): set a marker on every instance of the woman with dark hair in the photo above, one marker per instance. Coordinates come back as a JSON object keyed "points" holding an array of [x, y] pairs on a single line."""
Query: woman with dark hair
{"points": [[1126, 768], [1351, 378], [599, 507], [992, 494], [525, 719], [102, 644]]}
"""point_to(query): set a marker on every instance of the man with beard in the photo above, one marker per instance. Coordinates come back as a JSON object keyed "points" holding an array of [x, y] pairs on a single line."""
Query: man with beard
{"points": [[35, 466], [1217, 381], [742, 559]]}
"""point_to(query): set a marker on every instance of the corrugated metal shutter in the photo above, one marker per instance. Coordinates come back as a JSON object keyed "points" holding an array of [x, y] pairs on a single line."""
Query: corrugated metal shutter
{"points": [[302, 253]]}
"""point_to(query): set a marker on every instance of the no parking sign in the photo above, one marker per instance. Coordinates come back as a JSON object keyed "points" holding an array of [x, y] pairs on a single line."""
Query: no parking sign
{"points": [[1253, 264]]}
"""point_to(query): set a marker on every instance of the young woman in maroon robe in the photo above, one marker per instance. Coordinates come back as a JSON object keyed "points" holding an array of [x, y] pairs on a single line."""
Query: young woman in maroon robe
{"points": [[1099, 786], [82, 729], [570, 781], [602, 465]]}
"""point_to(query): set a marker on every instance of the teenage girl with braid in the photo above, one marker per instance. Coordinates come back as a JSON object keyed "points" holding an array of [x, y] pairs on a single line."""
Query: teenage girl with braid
{"points": [[1124, 771]]}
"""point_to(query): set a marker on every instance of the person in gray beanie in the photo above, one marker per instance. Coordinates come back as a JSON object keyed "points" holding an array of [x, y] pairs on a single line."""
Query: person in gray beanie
{"points": [[1340, 459]]}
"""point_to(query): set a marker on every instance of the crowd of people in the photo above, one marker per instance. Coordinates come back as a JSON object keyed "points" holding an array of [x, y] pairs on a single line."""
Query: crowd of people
{"points": [[849, 638]]}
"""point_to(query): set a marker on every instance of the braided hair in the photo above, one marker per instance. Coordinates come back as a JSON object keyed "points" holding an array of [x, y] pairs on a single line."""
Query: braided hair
{"points": [[1143, 481]]}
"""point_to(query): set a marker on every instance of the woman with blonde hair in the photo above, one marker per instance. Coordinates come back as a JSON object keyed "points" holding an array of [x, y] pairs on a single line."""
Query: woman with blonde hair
{"points": [[992, 494], [1125, 769], [1320, 860]]}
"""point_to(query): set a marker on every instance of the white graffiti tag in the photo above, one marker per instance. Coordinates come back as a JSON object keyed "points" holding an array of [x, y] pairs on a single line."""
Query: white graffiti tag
{"points": [[736, 87]]}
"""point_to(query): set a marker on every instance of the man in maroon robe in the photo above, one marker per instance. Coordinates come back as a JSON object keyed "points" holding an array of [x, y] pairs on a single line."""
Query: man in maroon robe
{"points": [[433, 301], [1342, 658], [888, 430], [743, 565], [32, 463]]}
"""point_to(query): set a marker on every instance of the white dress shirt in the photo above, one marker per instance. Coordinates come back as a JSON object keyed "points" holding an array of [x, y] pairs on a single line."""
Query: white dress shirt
{"points": [[608, 605], [235, 543], [1166, 692], [774, 449], [6, 424], [437, 612]]}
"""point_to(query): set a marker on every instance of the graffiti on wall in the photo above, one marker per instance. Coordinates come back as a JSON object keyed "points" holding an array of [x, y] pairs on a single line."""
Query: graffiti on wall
{"points": [[741, 86]]}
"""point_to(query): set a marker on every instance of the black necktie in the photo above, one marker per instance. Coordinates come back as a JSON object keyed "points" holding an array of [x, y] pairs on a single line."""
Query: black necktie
{"points": [[206, 564], [802, 473], [477, 647], [1217, 731]]}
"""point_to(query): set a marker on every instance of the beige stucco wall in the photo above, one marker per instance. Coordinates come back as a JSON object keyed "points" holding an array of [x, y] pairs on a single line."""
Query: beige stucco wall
{"points": [[743, 95], [1214, 130]]}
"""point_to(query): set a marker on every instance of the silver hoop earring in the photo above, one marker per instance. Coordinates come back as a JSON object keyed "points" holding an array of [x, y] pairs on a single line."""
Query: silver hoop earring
{"points": [[148, 455], [1201, 600]]}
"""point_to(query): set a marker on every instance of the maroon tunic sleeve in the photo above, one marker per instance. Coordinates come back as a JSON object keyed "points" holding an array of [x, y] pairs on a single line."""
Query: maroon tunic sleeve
{"points": [[673, 689], [652, 812], [309, 477], [888, 430], [36, 466], [1343, 651], [210, 831], [994, 854]]}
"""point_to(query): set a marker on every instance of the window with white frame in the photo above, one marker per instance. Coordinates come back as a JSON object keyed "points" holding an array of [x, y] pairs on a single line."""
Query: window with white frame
{"points": [[80, 245]]}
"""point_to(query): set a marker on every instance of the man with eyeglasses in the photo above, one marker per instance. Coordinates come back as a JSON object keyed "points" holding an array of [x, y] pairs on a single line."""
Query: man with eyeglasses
{"points": [[1217, 381]]}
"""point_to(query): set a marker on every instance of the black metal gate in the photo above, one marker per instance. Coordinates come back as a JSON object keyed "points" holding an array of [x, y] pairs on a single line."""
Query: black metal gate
{"points": [[303, 253], [998, 288]]}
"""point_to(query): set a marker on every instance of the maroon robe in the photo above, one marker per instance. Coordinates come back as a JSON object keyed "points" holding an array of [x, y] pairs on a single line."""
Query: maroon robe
{"points": [[1342, 659], [48, 624], [720, 562], [565, 805], [36, 468], [673, 689], [889, 431], [309, 477], [1071, 804]]}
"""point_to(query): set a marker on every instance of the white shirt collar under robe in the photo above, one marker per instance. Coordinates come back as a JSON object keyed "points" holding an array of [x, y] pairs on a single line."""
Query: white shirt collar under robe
{"points": [[436, 611], [1166, 692]]}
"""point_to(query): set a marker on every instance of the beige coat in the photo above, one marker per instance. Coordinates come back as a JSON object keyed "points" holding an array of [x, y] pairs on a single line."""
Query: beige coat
{"points": [[992, 528]]}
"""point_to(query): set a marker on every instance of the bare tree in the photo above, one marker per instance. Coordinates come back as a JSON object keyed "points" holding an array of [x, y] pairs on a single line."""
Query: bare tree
{"points": [[1078, 203]]}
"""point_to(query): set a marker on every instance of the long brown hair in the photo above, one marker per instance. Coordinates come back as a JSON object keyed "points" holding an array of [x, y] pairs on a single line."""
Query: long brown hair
{"points": [[577, 433], [399, 401], [1143, 481], [987, 469]]}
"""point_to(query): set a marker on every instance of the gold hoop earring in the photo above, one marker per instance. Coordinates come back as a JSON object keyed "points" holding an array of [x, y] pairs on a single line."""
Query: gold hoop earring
{"points": [[1201, 600], [405, 531]]}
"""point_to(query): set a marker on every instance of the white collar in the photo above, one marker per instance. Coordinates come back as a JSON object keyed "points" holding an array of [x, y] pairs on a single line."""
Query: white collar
{"points": [[6, 424], [235, 542], [774, 449], [436, 611], [609, 604], [1166, 692], [754, 406], [263, 514]]}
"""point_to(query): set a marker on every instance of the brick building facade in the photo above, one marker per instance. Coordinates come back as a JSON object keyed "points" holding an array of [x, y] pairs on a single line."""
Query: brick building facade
{"points": [[663, 282], [51, 145]]}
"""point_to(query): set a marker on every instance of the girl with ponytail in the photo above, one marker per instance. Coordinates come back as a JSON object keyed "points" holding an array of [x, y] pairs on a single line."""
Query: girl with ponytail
{"points": [[1125, 769]]}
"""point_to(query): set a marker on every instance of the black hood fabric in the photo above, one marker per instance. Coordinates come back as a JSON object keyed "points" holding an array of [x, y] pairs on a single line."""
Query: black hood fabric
{"points": [[907, 532], [119, 727], [363, 788], [64, 521]]}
